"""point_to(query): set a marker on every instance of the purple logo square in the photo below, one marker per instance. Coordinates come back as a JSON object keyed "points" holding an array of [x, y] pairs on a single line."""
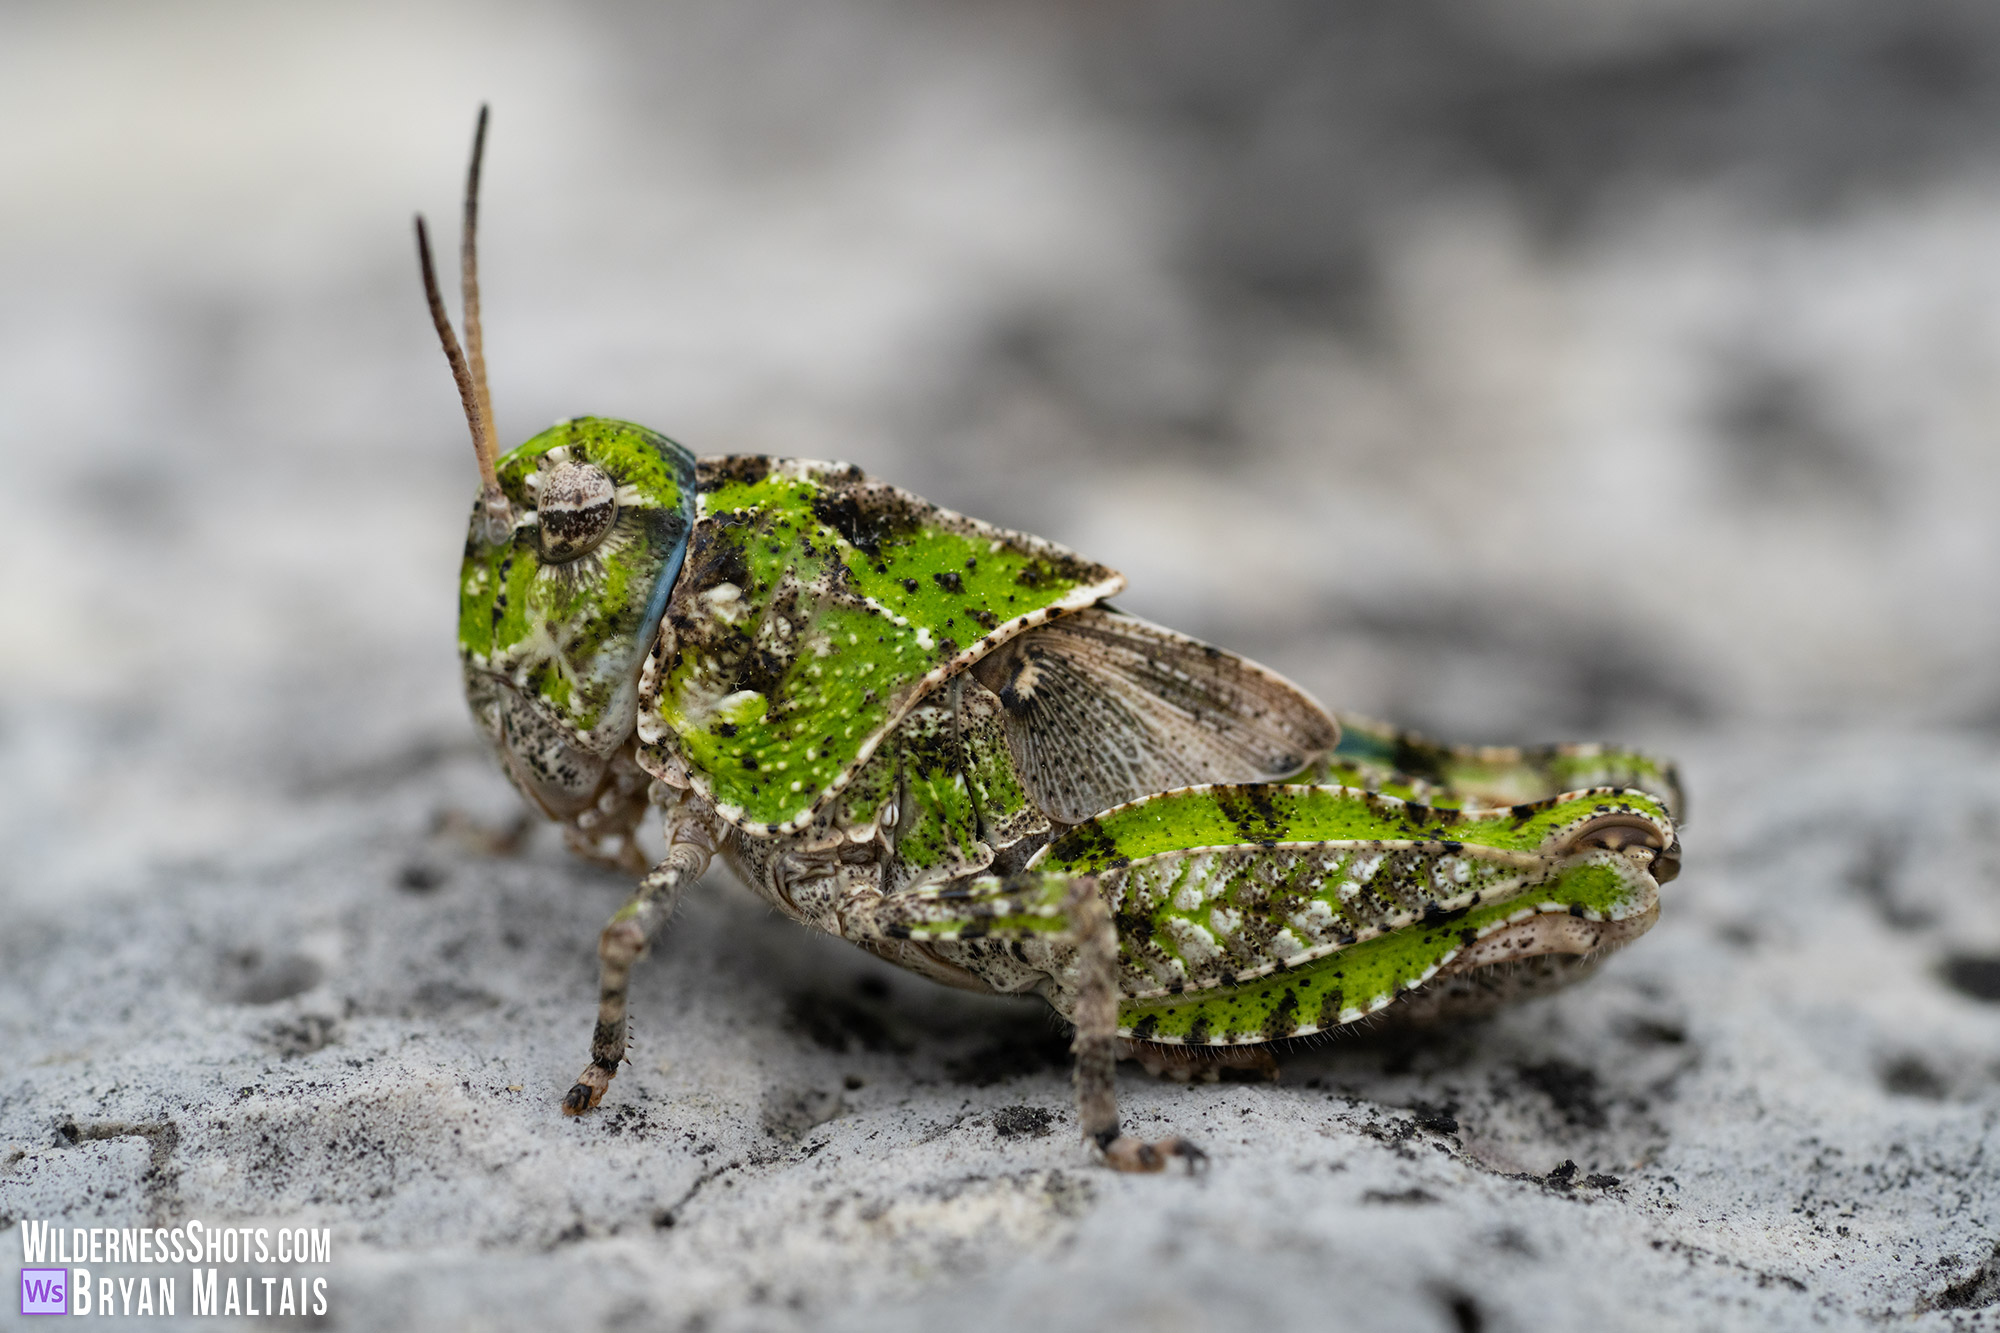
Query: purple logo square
{"points": [[45, 1291]]}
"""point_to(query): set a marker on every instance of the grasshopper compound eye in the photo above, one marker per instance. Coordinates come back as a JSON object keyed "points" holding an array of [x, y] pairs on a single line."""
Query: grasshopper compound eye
{"points": [[577, 504]]}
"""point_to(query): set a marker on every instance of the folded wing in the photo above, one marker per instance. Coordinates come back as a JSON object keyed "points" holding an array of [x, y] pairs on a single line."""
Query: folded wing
{"points": [[1102, 708]]}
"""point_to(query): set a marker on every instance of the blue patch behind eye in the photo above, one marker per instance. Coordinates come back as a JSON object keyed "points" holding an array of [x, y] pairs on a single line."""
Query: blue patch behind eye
{"points": [[1361, 745], [663, 587]]}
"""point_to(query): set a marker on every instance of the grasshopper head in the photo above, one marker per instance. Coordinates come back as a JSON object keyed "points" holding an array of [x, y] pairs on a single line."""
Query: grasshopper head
{"points": [[556, 611], [575, 542]]}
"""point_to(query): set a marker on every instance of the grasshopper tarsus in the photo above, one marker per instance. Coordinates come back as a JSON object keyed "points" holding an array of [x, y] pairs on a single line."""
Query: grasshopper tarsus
{"points": [[1126, 1153], [587, 1092]]}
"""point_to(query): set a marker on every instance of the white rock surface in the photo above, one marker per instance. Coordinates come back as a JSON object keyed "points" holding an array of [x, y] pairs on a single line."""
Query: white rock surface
{"points": [[1554, 370]]}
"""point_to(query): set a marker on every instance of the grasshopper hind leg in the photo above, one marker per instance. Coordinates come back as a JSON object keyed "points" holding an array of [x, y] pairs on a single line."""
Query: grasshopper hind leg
{"points": [[1096, 1042]]}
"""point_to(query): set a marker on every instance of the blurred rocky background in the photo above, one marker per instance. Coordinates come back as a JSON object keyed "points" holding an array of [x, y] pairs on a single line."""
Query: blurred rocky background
{"points": [[1517, 369]]}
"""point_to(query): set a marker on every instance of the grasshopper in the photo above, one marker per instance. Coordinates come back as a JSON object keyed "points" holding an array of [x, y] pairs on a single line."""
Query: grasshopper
{"points": [[937, 739]]}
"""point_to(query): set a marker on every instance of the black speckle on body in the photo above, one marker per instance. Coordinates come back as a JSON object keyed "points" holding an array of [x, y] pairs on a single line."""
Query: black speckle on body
{"points": [[1284, 1016]]}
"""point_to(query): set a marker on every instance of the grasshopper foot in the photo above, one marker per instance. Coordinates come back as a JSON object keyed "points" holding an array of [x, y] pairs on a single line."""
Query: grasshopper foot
{"points": [[588, 1092], [1126, 1153]]}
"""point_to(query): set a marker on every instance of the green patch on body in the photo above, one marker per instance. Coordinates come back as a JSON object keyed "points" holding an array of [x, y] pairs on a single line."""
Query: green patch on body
{"points": [[816, 608], [1258, 815]]}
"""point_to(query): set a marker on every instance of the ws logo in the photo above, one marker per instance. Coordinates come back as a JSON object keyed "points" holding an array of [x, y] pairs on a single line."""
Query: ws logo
{"points": [[45, 1291]]}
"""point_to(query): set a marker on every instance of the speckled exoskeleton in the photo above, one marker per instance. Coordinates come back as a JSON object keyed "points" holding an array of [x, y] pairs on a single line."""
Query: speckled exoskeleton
{"points": [[937, 739]]}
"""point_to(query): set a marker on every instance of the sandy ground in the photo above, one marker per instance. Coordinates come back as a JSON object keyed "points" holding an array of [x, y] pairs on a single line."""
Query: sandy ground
{"points": [[1523, 371]]}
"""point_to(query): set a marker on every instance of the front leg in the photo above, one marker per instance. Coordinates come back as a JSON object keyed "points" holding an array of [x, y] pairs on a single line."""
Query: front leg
{"points": [[1029, 906], [690, 847]]}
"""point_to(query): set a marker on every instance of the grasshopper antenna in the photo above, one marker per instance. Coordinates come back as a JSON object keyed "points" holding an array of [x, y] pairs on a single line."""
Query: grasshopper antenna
{"points": [[468, 367], [468, 277]]}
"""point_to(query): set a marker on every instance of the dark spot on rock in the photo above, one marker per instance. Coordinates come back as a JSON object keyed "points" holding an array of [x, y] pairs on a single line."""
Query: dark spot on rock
{"points": [[419, 878], [1464, 1312], [1787, 447], [1572, 1088], [837, 1023], [1909, 1076], [790, 1115], [437, 998], [303, 1035], [1437, 1119], [1562, 1177], [1411, 1196], [1031, 1121], [1975, 975], [267, 981], [1876, 875], [1977, 1291], [1737, 935], [1655, 1032], [1022, 1046]]}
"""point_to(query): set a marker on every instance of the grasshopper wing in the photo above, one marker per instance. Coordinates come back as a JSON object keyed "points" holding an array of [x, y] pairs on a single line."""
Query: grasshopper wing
{"points": [[1102, 708]]}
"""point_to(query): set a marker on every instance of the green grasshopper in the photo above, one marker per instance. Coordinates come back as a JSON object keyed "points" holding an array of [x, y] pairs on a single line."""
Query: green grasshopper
{"points": [[935, 738]]}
